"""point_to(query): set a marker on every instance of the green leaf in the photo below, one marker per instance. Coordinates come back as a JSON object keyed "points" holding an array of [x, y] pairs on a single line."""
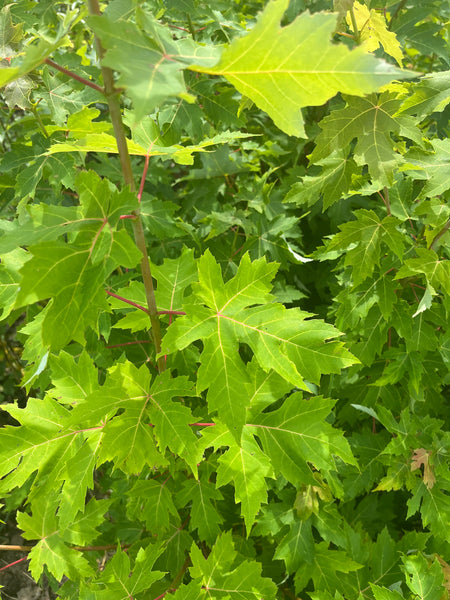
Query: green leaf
{"points": [[73, 274], [151, 502], [10, 35], [219, 578], [297, 546], [385, 593], [297, 434], [11, 264], [282, 340], [423, 579], [63, 100], [362, 240], [430, 166], [155, 73], [330, 185], [149, 414], [52, 549], [434, 506], [300, 61], [325, 569], [428, 263], [173, 277], [120, 580], [201, 495], [72, 380], [371, 120], [430, 94], [17, 93], [246, 466], [104, 142]]}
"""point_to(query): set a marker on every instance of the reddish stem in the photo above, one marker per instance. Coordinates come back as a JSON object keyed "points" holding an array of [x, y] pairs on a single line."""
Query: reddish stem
{"points": [[127, 301], [193, 424], [144, 175], [14, 563], [385, 199], [73, 75], [11, 548], [414, 292], [127, 217], [129, 343], [171, 312]]}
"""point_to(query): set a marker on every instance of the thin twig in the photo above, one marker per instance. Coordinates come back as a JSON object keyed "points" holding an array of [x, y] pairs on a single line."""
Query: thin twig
{"points": [[144, 175], [13, 563], [128, 344], [386, 201], [39, 120], [395, 15], [73, 75], [135, 304]]}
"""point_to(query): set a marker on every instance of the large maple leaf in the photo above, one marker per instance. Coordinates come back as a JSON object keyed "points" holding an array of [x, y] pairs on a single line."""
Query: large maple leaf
{"points": [[299, 64], [242, 311]]}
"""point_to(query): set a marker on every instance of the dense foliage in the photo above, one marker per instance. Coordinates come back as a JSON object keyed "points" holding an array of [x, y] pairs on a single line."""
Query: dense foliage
{"points": [[225, 283]]}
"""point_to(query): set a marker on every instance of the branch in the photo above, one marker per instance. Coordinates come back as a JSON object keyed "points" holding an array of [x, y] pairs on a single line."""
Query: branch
{"points": [[116, 118], [73, 75]]}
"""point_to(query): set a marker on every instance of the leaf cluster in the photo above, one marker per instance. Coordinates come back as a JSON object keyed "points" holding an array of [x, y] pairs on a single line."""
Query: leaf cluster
{"points": [[224, 288]]}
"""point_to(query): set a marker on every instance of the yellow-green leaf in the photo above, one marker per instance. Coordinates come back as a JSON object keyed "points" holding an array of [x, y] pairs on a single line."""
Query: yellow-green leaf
{"points": [[284, 69]]}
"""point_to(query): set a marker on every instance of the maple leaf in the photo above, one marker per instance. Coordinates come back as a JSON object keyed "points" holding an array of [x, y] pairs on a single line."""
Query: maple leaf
{"points": [[63, 100], [423, 579], [151, 502], [428, 263], [373, 31], [201, 495], [365, 237], [297, 546], [371, 120], [150, 416], [325, 569], [17, 93], [155, 73], [430, 166], [430, 94], [121, 579], [11, 264], [225, 314], [421, 457], [221, 577], [73, 274], [297, 434], [330, 185], [53, 546], [433, 504], [244, 465], [300, 62]]}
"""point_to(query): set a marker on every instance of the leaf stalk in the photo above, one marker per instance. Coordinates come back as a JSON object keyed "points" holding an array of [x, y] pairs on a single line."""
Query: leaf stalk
{"points": [[73, 75], [354, 25]]}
